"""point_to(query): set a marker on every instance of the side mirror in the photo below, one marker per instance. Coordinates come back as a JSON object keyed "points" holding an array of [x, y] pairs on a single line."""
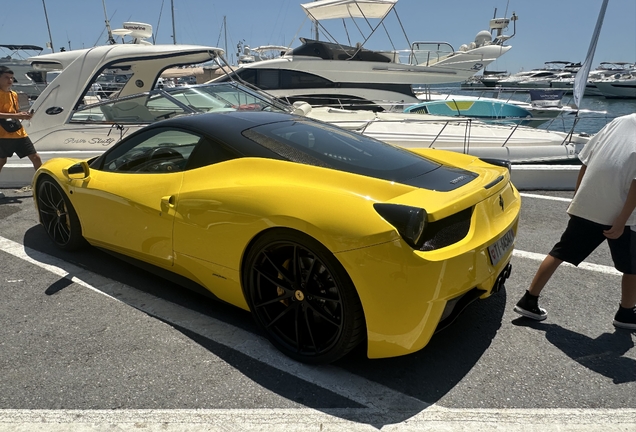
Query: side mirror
{"points": [[79, 171]]}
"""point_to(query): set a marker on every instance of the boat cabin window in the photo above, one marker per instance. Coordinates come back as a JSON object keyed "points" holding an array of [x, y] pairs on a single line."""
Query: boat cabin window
{"points": [[331, 51], [37, 76], [275, 79]]}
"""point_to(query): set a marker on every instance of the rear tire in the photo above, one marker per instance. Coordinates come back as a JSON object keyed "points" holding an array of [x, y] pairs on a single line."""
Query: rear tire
{"points": [[302, 297], [58, 216]]}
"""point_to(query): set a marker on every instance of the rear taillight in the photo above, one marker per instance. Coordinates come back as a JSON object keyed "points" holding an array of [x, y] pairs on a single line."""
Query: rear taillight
{"points": [[410, 222]]}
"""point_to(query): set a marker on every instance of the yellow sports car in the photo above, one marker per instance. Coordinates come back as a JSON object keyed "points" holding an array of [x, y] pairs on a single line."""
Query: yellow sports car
{"points": [[329, 237]]}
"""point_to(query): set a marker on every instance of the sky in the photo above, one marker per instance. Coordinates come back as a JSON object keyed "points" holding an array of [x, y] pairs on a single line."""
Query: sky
{"points": [[546, 30]]}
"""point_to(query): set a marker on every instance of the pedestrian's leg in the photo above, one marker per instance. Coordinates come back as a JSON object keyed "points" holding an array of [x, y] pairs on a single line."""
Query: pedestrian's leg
{"points": [[528, 306], [543, 275], [628, 291], [35, 160], [626, 315], [2, 162]]}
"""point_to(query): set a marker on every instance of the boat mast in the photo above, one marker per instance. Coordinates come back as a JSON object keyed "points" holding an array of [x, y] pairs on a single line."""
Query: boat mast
{"points": [[111, 39], [316, 32], [46, 16], [174, 33], [225, 32]]}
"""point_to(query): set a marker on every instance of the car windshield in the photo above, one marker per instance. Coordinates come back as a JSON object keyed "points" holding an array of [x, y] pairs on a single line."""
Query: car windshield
{"points": [[160, 104], [320, 144]]}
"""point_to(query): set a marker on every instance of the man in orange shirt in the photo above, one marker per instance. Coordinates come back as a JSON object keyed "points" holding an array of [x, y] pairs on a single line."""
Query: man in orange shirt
{"points": [[18, 141]]}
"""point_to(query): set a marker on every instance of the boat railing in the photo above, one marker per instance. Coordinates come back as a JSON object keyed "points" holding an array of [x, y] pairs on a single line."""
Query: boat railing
{"points": [[427, 53], [362, 126]]}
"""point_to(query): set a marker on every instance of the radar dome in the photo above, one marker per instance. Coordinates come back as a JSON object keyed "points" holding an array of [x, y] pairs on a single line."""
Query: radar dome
{"points": [[483, 38], [138, 30]]}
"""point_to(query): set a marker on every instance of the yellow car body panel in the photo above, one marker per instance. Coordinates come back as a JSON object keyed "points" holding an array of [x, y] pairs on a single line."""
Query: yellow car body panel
{"points": [[200, 223], [128, 213], [402, 302]]}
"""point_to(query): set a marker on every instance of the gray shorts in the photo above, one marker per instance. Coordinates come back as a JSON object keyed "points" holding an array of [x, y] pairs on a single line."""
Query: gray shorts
{"points": [[20, 146]]}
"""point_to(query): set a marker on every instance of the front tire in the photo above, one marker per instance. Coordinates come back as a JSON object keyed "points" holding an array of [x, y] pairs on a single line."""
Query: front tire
{"points": [[302, 297], [58, 216]]}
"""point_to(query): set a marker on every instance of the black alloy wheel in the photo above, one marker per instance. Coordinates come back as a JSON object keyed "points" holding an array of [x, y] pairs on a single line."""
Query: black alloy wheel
{"points": [[58, 216], [302, 297]]}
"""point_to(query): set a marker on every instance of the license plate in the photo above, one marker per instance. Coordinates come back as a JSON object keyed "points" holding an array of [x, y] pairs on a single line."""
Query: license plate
{"points": [[501, 247]]}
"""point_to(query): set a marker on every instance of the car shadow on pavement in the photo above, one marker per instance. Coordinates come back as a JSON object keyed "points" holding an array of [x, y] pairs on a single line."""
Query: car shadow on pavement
{"points": [[432, 372], [604, 354], [414, 381]]}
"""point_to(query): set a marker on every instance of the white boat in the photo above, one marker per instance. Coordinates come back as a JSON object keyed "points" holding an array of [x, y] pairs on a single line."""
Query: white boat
{"points": [[604, 71], [540, 78], [26, 80], [621, 85], [346, 75], [517, 144], [58, 124], [246, 54], [492, 78]]}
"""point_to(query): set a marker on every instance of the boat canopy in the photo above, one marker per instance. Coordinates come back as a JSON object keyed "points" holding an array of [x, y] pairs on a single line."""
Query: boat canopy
{"points": [[23, 47], [336, 9]]}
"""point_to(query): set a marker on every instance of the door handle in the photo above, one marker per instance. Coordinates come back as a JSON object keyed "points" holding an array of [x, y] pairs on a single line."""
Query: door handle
{"points": [[168, 200]]}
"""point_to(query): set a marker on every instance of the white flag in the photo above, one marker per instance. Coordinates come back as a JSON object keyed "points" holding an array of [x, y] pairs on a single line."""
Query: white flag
{"points": [[580, 81]]}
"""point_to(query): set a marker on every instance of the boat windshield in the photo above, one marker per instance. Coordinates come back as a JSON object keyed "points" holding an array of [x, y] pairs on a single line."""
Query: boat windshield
{"points": [[164, 103]]}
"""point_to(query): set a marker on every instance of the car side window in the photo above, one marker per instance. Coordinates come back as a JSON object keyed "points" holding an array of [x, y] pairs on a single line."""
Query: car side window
{"points": [[208, 152], [156, 151]]}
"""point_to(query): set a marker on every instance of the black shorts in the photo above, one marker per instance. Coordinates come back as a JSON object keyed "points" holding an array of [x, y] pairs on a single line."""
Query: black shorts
{"points": [[20, 146], [582, 237]]}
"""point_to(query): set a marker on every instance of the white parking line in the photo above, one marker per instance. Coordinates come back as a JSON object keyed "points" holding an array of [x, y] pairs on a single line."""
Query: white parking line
{"points": [[383, 403], [433, 418], [584, 265], [545, 197], [376, 397]]}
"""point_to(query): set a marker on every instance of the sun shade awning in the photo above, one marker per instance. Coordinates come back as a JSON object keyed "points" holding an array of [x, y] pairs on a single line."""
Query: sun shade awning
{"points": [[23, 47], [335, 9]]}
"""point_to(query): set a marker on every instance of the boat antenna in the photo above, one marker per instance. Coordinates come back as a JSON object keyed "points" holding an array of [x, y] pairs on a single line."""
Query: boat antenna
{"points": [[174, 33], [158, 22], [46, 16], [225, 31], [111, 39]]}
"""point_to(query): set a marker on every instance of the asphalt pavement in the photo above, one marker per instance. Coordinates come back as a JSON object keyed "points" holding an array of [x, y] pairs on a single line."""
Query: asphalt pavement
{"points": [[91, 343]]}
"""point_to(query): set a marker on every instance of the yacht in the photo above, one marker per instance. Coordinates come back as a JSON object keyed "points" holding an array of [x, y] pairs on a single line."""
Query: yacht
{"points": [[604, 71], [540, 78], [26, 79], [618, 86], [491, 78], [352, 76]]}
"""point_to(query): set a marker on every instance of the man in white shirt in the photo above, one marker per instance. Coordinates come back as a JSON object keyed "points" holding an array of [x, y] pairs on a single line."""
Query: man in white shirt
{"points": [[602, 208]]}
